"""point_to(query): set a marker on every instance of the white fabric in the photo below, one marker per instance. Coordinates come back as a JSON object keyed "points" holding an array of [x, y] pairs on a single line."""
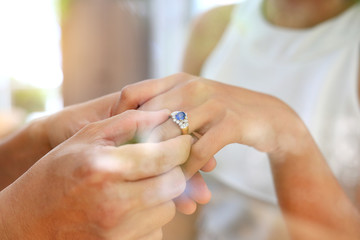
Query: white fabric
{"points": [[314, 70]]}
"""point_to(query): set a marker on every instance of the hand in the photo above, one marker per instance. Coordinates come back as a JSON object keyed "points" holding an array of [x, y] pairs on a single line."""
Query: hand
{"points": [[88, 188], [42, 135], [64, 124], [221, 114]]}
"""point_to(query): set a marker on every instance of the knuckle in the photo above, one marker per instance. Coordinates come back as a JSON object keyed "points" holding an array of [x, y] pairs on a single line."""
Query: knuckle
{"points": [[111, 209], [136, 170], [130, 114], [92, 171], [198, 87], [195, 84], [128, 169], [199, 153], [87, 169], [107, 216], [183, 75], [127, 94]]}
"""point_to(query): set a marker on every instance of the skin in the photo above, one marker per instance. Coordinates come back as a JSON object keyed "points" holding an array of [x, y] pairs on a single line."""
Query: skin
{"points": [[276, 143], [70, 145], [297, 165], [94, 187], [41, 136]]}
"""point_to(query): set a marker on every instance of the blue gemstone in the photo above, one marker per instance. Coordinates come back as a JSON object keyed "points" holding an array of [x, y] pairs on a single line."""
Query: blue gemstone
{"points": [[180, 116]]}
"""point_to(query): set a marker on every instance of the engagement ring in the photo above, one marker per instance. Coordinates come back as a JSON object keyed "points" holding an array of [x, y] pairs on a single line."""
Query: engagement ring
{"points": [[180, 118]]}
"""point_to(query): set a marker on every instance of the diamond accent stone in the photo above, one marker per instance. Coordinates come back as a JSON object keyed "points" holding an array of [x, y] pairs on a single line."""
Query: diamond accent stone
{"points": [[180, 118]]}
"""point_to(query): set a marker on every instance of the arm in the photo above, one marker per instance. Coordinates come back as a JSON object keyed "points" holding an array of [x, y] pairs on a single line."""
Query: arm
{"points": [[94, 186], [309, 194], [222, 114], [310, 197], [205, 35], [20, 151]]}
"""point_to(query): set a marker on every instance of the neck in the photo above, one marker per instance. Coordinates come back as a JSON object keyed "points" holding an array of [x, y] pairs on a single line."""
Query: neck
{"points": [[303, 13]]}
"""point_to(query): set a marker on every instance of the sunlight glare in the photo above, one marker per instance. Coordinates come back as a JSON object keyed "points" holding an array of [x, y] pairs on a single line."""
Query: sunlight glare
{"points": [[30, 42]]}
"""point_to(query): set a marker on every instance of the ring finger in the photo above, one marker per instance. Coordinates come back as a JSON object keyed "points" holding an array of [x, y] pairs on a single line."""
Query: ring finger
{"points": [[199, 121]]}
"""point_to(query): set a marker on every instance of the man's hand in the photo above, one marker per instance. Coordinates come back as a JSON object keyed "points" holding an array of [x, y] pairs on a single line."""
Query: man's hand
{"points": [[92, 186]]}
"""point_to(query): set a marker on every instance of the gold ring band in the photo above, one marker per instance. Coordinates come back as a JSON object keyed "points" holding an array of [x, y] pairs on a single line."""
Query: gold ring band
{"points": [[185, 130]]}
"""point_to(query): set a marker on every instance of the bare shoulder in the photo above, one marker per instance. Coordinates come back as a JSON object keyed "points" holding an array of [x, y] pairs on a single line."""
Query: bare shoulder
{"points": [[206, 32]]}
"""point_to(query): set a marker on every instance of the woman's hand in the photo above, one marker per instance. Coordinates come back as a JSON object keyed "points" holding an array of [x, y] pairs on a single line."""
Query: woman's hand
{"points": [[93, 187], [221, 114]]}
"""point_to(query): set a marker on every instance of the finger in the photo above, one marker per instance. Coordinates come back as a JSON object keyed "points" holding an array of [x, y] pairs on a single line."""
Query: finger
{"points": [[199, 121], [132, 162], [101, 108], [197, 189], [210, 165], [124, 127], [191, 93], [185, 204], [134, 95], [209, 144], [155, 235], [153, 191], [168, 131], [144, 222]]}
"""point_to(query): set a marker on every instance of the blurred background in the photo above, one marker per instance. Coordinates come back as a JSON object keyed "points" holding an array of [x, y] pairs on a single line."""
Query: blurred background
{"points": [[55, 53]]}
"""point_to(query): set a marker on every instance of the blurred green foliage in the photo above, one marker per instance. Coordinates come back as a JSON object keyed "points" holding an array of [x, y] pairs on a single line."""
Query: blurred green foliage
{"points": [[30, 100], [27, 98], [63, 7]]}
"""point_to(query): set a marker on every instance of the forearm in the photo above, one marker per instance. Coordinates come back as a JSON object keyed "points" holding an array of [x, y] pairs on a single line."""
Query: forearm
{"points": [[9, 224], [310, 196], [21, 150]]}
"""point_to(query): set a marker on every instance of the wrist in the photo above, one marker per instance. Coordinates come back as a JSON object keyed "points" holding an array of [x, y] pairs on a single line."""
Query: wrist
{"points": [[38, 134], [294, 139], [21, 151]]}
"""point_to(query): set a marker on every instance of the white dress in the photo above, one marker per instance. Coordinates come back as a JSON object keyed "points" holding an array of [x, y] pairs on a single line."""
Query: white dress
{"points": [[315, 71]]}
